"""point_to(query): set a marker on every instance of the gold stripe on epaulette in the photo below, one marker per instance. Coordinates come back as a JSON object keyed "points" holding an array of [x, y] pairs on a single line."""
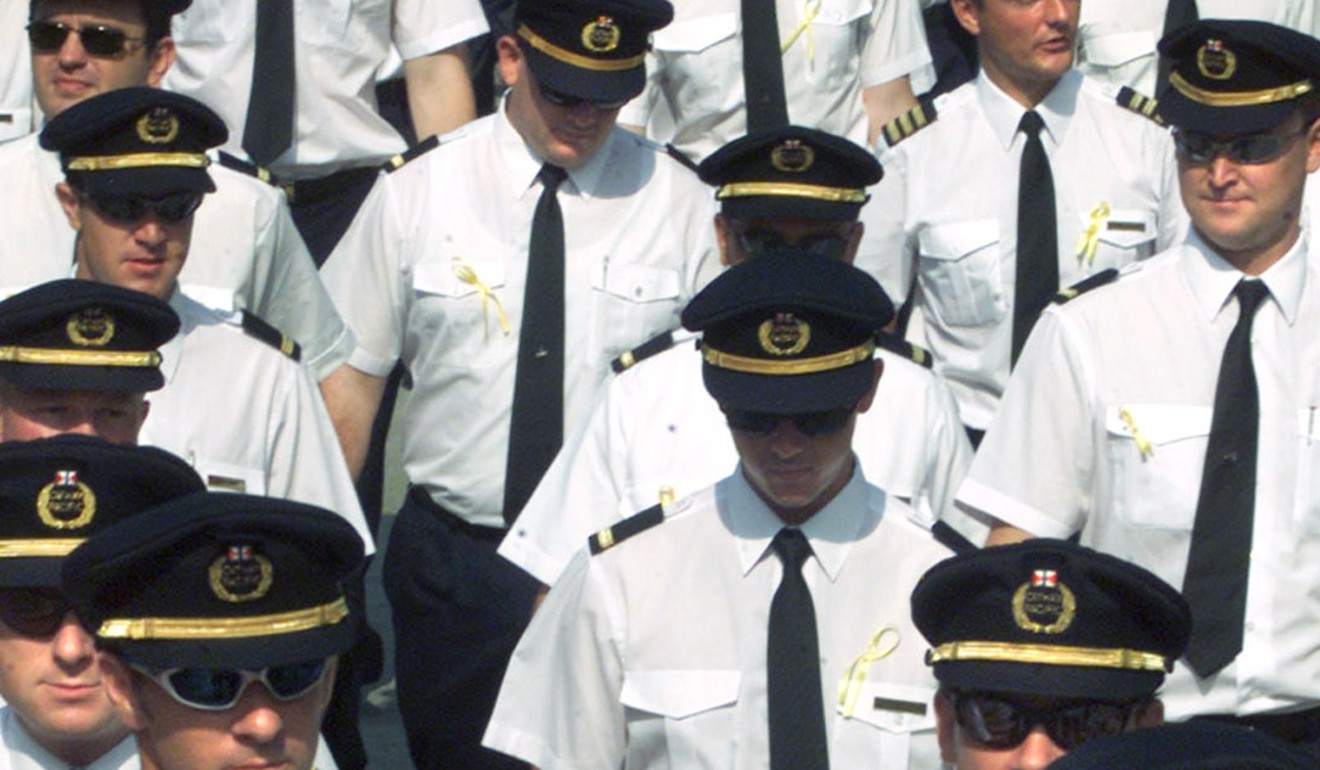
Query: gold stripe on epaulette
{"points": [[397, 161], [906, 125], [605, 538], [287, 345]]}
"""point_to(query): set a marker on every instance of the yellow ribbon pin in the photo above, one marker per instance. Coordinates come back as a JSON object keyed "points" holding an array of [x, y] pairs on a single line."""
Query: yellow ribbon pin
{"points": [[467, 275], [850, 689], [1090, 239], [1143, 444], [810, 9]]}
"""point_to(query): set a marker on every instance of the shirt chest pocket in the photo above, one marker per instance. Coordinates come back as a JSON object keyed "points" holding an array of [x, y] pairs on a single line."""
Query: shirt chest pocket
{"points": [[1115, 238], [701, 52], [1157, 452], [1116, 48], [15, 123], [460, 298], [687, 715], [633, 303], [830, 35], [891, 725], [959, 272], [226, 477]]}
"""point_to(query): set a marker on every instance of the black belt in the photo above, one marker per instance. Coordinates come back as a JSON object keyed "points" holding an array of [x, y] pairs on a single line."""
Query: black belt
{"points": [[1294, 726], [312, 190], [420, 498]]}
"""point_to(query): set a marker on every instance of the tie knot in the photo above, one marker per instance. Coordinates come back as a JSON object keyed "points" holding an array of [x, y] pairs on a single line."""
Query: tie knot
{"points": [[1031, 124], [792, 548], [1250, 294], [551, 176]]}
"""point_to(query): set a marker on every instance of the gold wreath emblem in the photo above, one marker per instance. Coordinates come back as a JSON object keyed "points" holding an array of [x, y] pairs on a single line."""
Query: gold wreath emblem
{"points": [[91, 327], [1031, 605], [66, 504], [238, 578], [792, 157], [158, 126], [784, 335], [601, 35], [1215, 61]]}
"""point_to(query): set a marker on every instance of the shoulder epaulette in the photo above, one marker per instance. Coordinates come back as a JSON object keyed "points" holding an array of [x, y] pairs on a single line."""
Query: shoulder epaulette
{"points": [[416, 151], [681, 157], [904, 349], [1108, 275], [234, 163], [638, 522], [910, 122], [630, 358], [1139, 103], [254, 326]]}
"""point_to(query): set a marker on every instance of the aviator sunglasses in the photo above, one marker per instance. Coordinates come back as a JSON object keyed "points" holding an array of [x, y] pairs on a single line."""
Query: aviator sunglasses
{"points": [[97, 39], [808, 424], [174, 207], [218, 689], [1251, 149], [999, 723], [561, 99], [35, 612]]}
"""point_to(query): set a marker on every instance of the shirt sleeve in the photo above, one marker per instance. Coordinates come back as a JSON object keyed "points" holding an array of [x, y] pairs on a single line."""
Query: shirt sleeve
{"points": [[423, 27], [895, 43]]}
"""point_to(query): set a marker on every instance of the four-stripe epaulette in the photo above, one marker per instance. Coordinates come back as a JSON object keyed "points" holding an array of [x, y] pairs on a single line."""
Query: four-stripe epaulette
{"points": [[1139, 103], [910, 122]]}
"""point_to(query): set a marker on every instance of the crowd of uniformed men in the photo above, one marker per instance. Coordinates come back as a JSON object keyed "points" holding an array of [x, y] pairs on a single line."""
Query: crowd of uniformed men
{"points": [[781, 394]]}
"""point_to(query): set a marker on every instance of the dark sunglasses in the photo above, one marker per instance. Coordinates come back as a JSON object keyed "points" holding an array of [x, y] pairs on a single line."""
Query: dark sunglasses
{"points": [[1250, 149], [1000, 723], [216, 689], [757, 241], [561, 99], [174, 207], [808, 424], [35, 612], [97, 39]]}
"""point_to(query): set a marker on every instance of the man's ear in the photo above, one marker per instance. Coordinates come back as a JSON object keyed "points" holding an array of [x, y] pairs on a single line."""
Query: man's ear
{"points": [[160, 60], [946, 727], [865, 403], [71, 202], [118, 682], [967, 14], [1152, 714], [1313, 146], [723, 234], [509, 57]]}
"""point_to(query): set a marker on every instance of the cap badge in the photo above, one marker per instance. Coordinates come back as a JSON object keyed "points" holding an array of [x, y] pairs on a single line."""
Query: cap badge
{"points": [[158, 126], [241, 574], [1215, 61], [66, 502], [601, 35], [792, 157], [91, 328], [784, 335], [1044, 605]]}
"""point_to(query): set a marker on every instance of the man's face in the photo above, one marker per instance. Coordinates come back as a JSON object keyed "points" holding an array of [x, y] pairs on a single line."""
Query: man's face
{"points": [[566, 136], [960, 717], [31, 413], [1025, 45], [258, 732], [145, 254], [1250, 211], [67, 75], [741, 239], [52, 681], [797, 474]]}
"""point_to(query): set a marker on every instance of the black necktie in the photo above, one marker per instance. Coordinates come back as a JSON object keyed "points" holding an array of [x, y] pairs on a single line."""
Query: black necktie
{"points": [[796, 706], [763, 66], [1037, 264], [268, 131], [1178, 13], [1216, 581], [536, 426]]}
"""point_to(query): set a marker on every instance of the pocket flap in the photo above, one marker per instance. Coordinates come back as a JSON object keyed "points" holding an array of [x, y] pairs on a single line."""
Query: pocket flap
{"points": [[1158, 423], [897, 708], [693, 35], [1127, 228], [456, 278], [679, 694], [214, 297], [955, 240], [640, 283], [226, 477], [842, 11], [1117, 48]]}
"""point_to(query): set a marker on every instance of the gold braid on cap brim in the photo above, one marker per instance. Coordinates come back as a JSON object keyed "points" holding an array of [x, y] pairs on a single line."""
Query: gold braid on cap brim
{"points": [[224, 628], [1047, 654], [139, 160], [1240, 98], [828, 363], [49, 548], [578, 60], [792, 190], [12, 354]]}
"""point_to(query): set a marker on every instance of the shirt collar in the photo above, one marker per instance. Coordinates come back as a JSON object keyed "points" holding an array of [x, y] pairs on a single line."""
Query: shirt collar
{"points": [[1004, 114], [831, 532], [522, 164], [1212, 278]]}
